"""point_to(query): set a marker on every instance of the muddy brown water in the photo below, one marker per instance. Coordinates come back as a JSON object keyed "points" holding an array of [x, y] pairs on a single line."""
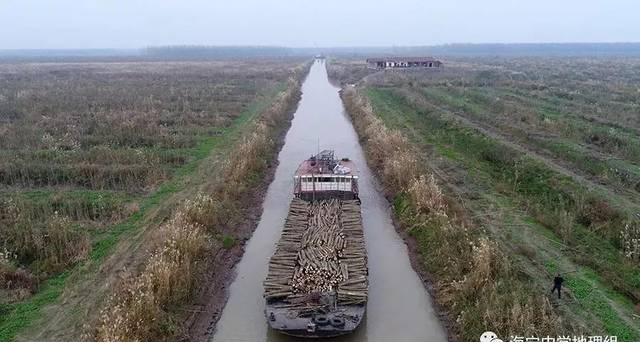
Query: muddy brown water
{"points": [[399, 307]]}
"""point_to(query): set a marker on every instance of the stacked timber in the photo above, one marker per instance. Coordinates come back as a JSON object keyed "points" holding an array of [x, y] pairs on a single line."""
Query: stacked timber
{"points": [[321, 251], [284, 260], [318, 267], [353, 289]]}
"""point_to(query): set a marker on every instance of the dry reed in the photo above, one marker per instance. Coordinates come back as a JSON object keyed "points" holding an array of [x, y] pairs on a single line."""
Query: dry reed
{"points": [[142, 309]]}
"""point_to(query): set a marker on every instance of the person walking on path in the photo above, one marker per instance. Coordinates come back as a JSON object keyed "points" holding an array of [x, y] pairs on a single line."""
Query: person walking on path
{"points": [[557, 285]]}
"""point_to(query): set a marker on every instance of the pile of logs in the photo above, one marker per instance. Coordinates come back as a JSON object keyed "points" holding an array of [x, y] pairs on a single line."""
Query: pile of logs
{"points": [[321, 251], [353, 289], [318, 268], [283, 262]]}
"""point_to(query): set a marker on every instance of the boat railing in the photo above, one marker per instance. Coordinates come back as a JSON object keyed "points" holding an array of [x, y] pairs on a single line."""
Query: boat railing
{"points": [[325, 183]]}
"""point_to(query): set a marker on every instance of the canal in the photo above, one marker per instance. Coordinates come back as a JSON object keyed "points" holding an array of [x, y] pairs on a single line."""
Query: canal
{"points": [[399, 307]]}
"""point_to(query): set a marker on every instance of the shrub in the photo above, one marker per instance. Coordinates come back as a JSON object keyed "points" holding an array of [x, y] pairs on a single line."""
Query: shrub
{"points": [[204, 210], [15, 283], [228, 241], [488, 264], [248, 158], [426, 196], [51, 244], [136, 311], [598, 215], [630, 239], [562, 221]]}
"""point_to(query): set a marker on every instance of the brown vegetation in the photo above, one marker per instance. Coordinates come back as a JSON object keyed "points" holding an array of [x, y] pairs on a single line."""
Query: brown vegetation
{"points": [[137, 312], [347, 71], [91, 151], [144, 308], [106, 127], [52, 245]]}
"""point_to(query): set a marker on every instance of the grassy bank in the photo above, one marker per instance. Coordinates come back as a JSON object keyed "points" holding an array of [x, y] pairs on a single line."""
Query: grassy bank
{"points": [[476, 281], [580, 216], [534, 214]]}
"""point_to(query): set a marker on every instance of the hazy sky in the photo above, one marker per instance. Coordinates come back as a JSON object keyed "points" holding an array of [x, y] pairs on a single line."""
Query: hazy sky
{"points": [[139, 23]]}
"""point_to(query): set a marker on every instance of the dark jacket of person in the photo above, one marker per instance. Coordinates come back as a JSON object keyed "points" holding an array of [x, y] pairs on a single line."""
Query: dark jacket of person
{"points": [[557, 281]]}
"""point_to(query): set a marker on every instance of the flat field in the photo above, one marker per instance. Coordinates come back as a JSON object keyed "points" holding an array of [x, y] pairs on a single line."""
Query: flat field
{"points": [[93, 154], [541, 157]]}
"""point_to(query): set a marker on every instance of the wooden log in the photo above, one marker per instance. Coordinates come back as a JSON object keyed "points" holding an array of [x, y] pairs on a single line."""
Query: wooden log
{"points": [[321, 250]]}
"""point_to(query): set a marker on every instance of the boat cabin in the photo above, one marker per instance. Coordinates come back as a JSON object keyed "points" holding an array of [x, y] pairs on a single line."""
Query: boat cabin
{"points": [[322, 176]]}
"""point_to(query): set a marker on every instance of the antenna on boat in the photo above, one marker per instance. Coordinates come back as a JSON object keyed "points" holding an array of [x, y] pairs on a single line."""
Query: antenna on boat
{"points": [[318, 146]]}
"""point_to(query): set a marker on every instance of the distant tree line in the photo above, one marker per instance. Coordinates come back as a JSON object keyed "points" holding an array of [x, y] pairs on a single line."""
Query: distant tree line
{"points": [[527, 49], [201, 52], [217, 52]]}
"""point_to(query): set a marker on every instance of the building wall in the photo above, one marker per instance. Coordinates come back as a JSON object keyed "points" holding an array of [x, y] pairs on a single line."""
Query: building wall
{"points": [[389, 64]]}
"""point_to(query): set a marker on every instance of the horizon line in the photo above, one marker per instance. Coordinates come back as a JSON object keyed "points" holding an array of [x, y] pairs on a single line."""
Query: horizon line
{"points": [[321, 47]]}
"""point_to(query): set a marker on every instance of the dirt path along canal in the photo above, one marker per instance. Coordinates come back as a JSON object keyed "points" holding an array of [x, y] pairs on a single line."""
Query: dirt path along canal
{"points": [[399, 307]]}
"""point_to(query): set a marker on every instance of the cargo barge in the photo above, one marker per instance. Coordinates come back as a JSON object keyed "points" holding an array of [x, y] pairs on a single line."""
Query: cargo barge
{"points": [[317, 282]]}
